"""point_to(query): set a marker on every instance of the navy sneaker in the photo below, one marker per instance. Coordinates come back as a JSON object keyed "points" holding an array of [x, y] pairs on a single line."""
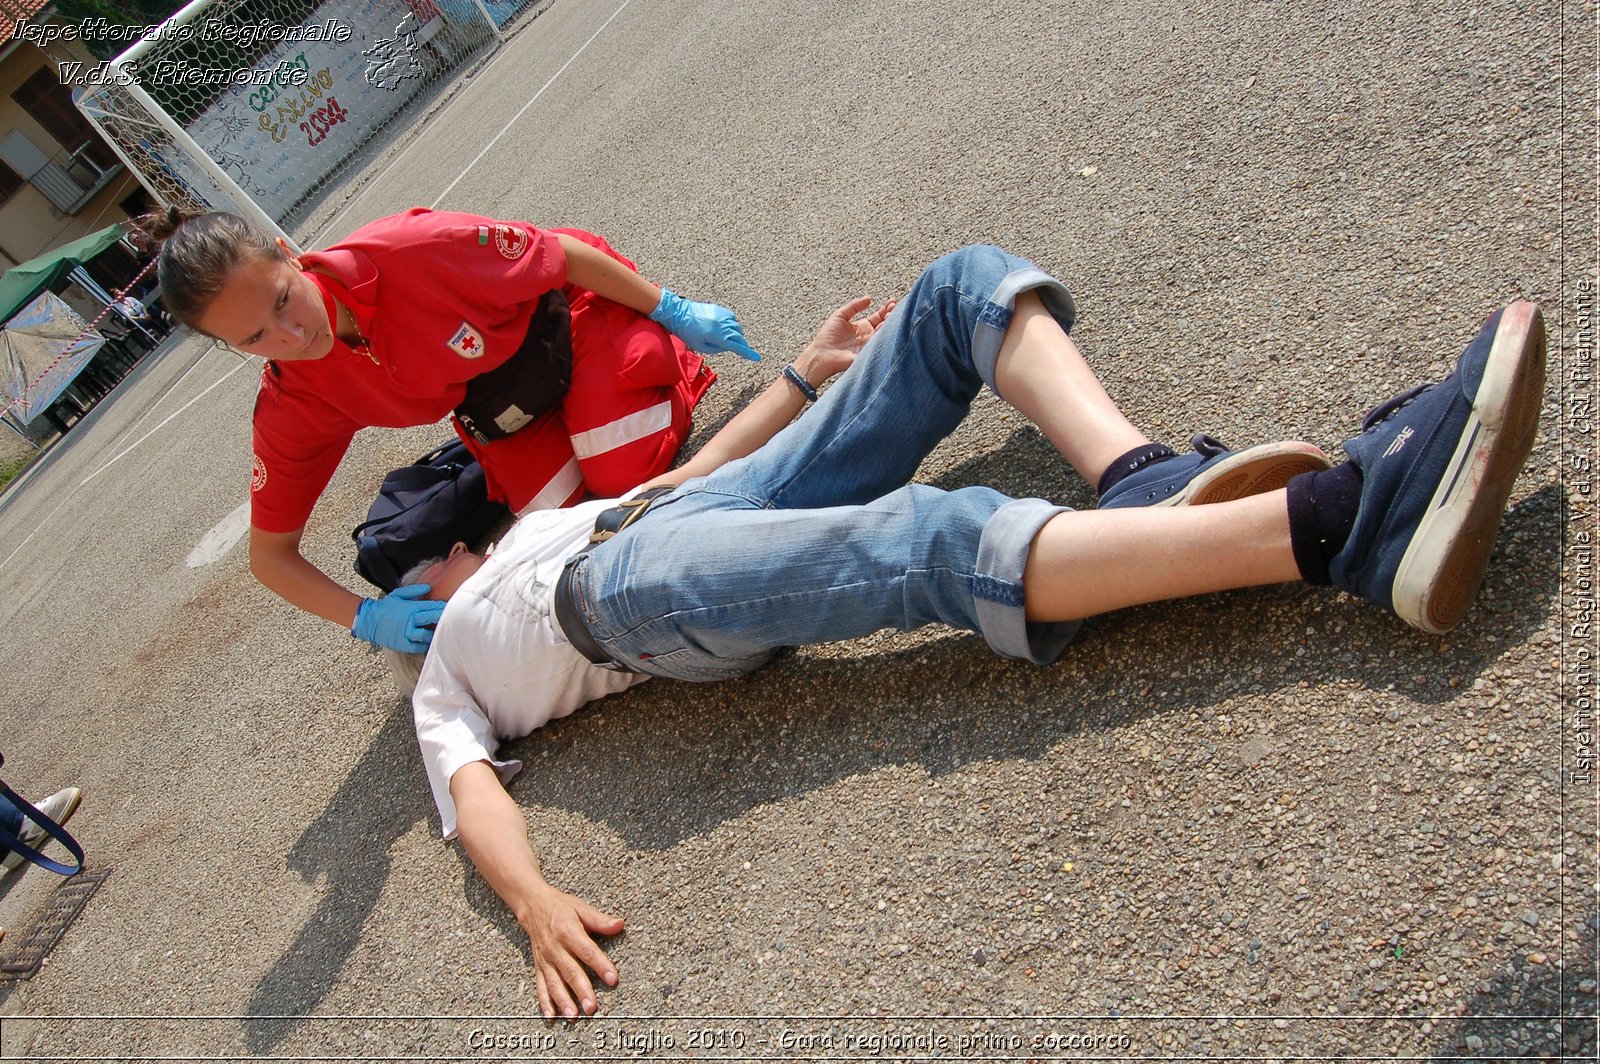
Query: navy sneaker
{"points": [[1438, 464], [1212, 473]]}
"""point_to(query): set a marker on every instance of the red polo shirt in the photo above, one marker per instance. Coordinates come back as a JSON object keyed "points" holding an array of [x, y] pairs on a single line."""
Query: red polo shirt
{"points": [[442, 297]]}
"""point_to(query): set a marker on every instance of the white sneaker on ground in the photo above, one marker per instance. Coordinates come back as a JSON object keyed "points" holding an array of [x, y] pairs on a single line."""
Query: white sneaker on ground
{"points": [[58, 807]]}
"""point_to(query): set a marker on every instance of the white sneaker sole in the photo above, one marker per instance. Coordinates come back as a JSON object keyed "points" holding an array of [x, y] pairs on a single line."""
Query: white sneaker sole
{"points": [[1262, 468], [1443, 566]]}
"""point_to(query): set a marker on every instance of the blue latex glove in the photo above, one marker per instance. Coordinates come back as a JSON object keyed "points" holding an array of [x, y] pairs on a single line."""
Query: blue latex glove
{"points": [[398, 620], [705, 327]]}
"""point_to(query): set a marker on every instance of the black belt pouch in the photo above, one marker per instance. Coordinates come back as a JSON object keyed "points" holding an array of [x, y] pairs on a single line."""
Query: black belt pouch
{"points": [[528, 384]]}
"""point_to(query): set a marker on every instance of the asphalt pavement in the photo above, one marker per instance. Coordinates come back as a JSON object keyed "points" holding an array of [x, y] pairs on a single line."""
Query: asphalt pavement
{"points": [[1272, 824]]}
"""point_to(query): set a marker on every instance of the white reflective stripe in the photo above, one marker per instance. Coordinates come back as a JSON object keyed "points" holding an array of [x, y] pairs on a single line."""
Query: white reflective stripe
{"points": [[561, 486], [624, 430]]}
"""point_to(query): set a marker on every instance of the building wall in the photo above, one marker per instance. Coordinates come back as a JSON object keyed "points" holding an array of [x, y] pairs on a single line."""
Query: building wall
{"points": [[29, 223]]}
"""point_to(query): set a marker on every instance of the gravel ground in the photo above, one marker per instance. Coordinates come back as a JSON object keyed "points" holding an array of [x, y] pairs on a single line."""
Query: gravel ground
{"points": [[1275, 824], [14, 448]]}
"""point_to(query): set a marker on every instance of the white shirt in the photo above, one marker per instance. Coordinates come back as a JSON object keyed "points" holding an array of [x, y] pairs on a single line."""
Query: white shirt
{"points": [[499, 665]]}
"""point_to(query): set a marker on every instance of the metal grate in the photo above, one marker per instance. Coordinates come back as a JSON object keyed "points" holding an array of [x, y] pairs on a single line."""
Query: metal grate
{"points": [[64, 906]]}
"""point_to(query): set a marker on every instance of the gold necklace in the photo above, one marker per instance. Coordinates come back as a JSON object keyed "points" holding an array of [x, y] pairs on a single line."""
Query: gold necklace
{"points": [[366, 346]]}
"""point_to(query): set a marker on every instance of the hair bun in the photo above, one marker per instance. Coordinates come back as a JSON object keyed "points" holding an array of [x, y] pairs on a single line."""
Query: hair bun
{"points": [[152, 230]]}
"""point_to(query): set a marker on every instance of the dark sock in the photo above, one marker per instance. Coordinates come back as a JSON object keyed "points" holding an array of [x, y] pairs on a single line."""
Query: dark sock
{"points": [[1135, 459], [1322, 510]]}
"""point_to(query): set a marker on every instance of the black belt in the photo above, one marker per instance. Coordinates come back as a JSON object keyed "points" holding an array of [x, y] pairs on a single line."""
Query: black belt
{"points": [[568, 616]]}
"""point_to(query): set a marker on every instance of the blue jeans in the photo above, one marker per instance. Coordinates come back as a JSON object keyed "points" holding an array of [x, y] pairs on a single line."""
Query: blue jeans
{"points": [[816, 537]]}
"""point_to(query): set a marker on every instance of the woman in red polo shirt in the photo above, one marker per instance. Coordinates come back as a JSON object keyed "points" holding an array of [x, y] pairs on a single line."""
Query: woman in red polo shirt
{"points": [[546, 346]]}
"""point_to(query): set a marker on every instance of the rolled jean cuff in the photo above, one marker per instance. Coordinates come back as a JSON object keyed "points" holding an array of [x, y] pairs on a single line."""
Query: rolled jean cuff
{"points": [[997, 594], [990, 331]]}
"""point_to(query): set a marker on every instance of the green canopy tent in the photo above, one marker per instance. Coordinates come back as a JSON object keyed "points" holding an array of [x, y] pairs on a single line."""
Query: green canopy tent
{"points": [[22, 283], [43, 344]]}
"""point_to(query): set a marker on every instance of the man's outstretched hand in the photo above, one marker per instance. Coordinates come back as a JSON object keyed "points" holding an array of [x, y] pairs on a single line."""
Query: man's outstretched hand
{"points": [[559, 926], [843, 335]]}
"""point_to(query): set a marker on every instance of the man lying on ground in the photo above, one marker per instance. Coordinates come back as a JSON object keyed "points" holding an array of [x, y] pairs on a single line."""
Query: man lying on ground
{"points": [[782, 535]]}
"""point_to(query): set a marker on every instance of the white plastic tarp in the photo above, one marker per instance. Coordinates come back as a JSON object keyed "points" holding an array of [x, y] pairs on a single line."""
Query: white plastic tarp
{"points": [[41, 349]]}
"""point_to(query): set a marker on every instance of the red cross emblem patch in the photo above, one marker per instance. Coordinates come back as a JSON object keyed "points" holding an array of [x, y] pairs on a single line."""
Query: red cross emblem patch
{"points": [[510, 241], [467, 342]]}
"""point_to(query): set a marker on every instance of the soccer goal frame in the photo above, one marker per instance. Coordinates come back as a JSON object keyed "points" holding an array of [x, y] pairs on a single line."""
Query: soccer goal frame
{"points": [[255, 106]]}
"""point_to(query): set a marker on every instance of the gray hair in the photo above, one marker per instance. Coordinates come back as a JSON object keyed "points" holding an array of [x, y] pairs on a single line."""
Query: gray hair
{"points": [[199, 252], [407, 668]]}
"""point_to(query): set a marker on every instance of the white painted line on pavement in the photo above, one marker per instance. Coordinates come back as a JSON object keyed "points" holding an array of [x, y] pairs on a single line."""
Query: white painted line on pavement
{"points": [[501, 54], [174, 386], [531, 100], [220, 540], [65, 499], [127, 450], [122, 454]]}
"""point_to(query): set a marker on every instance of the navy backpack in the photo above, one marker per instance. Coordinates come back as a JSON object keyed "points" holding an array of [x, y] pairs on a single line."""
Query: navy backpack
{"points": [[423, 509]]}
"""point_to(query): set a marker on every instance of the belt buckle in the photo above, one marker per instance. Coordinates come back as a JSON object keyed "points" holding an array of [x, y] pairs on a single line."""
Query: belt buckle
{"points": [[614, 519]]}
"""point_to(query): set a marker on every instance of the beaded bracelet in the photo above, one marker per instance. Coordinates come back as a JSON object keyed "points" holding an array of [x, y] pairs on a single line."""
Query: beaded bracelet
{"points": [[796, 378]]}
